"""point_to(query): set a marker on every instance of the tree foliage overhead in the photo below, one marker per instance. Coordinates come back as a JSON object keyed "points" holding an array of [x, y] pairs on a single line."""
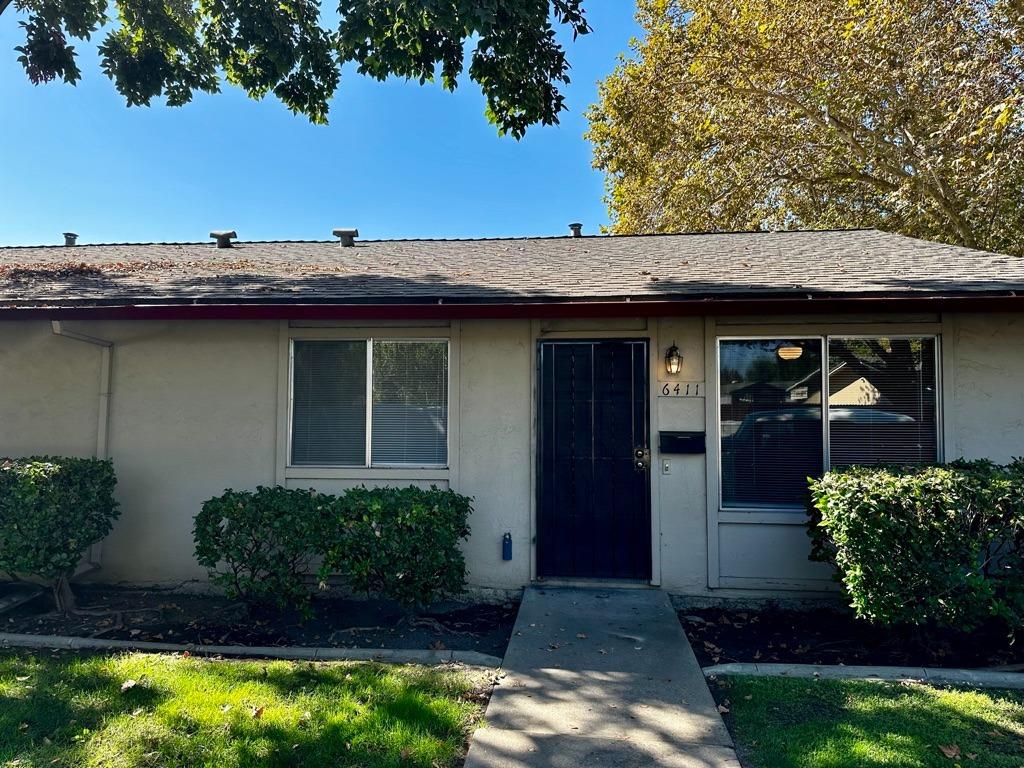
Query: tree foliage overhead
{"points": [[906, 115], [174, 48]]}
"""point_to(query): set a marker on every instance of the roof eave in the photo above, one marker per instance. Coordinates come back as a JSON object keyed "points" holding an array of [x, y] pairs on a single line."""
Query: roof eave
{"points": [[523, 308]]}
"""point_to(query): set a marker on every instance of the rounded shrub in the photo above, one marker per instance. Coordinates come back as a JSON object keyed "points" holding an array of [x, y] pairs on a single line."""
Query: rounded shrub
{"points": [[259, 545], [401, 544], [52, 509], [932, 544]]}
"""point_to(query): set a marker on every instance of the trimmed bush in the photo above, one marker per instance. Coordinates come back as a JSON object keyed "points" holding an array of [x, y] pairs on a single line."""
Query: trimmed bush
{"points": [[400, 543], [52, 509], [259, 545], [935, 544]]}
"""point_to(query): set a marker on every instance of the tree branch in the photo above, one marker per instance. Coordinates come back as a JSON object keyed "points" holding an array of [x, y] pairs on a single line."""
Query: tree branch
{"points": [[938, 191], [4, 4]]}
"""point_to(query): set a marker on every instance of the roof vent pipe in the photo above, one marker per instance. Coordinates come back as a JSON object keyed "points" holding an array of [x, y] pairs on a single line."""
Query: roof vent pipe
{"points": [[577, 229], [70, 238], [223, 237], [348, 236]]}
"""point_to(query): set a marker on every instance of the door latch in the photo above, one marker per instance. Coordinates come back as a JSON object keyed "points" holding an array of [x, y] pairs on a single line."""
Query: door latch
{"points": [[642, 459]]}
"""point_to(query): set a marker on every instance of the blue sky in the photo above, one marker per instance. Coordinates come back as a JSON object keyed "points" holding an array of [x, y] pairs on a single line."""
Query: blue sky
{"points": [[397, 160]]}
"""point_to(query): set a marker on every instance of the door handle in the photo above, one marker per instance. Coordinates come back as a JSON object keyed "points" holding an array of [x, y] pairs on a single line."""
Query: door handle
{"points": [[642, 459]]}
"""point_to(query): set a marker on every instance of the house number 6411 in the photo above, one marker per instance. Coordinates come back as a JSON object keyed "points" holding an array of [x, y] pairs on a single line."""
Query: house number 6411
{"points": [[683, 389]]}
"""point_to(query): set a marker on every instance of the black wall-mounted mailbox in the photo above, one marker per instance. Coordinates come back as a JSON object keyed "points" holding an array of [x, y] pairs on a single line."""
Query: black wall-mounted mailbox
{"points": [[681, 442]]}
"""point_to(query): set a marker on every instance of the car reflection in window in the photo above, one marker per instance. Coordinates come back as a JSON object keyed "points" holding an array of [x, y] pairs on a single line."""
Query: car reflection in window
{"points": [[768, 455]]}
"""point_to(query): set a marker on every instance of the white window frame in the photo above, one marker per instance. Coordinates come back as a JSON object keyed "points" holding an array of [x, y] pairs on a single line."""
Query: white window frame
{"points": [[824, 339], [368, 451]]}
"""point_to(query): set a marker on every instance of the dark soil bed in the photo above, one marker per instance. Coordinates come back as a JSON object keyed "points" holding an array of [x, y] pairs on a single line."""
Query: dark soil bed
{"points": [[175, 617], [832, 636]]}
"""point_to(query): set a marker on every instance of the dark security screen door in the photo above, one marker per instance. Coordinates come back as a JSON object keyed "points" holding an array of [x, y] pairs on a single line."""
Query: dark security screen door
{"points": [[594, 512]]}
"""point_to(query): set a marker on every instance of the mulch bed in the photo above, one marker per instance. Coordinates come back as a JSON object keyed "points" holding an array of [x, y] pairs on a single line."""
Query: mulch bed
{"points": [[833, 636], [176, 617]]}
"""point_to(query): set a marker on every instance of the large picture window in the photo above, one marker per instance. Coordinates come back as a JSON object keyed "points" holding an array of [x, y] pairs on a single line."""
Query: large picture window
{"points": [[369, 403], [880, 394]]}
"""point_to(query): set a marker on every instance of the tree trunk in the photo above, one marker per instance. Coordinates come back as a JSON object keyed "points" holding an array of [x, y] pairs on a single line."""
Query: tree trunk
{"points": [[63, 597]]}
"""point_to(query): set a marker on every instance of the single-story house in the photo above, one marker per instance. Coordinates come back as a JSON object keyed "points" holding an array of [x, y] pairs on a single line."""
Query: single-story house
{"points": [[627, 408]]}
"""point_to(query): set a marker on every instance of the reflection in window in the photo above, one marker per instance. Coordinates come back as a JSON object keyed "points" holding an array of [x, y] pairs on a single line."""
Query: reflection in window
{"points": [[410, 403], [771, 402], [882, 401]]}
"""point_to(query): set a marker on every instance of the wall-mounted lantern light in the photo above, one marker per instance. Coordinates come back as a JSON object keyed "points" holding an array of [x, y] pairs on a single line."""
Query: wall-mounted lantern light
{"points": [[790, 352], [673, 360]]}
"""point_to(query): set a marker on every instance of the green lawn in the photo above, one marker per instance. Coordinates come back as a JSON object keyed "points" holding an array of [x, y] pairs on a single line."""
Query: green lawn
{"points": [[156, 710], [785, 723]]}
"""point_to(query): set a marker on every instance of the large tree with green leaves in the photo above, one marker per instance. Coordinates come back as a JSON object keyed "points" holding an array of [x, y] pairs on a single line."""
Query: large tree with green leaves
{"points": [[174, 48], [756, 114]]}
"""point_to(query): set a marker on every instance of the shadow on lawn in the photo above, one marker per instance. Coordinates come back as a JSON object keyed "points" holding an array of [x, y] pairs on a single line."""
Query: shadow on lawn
{"points": [[51, 706], [870, 725], [72, 711]]}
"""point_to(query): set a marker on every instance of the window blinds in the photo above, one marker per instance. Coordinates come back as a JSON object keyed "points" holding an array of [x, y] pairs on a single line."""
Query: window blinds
{"points": [[408, 406], [882, 401], [329, 403], [770, 410], [410, 403]]}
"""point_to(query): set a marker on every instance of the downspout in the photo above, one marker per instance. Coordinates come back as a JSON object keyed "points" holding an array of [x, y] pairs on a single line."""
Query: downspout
{"points": [[103, 418]]}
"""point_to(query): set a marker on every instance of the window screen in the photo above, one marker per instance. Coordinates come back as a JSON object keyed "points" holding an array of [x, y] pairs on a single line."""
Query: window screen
{"points": [[771, 430], [410, 403], [882, 401], [329, 403]]}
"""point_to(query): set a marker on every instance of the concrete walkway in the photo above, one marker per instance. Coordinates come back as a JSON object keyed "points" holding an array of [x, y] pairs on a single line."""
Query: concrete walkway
{"points": [[600, 678]]}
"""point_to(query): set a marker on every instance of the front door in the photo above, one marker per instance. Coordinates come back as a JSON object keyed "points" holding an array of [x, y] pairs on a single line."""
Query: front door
{"points": [[593, 507]]}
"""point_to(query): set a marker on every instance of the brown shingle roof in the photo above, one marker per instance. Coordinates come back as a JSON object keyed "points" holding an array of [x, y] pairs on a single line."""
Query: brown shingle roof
{"points": [[646, 267]]}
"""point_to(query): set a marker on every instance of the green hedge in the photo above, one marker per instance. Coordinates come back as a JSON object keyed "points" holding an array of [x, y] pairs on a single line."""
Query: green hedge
{"points": [[52, 509], [259, 545], [400, 543], [933, 544], [397, 543]]}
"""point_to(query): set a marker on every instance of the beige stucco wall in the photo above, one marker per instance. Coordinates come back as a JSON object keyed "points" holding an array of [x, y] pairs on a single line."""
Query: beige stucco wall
{"points": [[48, 392], [198, 407], [193, 410], [495, 456]]}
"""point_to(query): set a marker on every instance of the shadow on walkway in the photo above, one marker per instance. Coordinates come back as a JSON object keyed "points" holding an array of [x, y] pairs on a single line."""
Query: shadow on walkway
{"points": [[600, 678]]}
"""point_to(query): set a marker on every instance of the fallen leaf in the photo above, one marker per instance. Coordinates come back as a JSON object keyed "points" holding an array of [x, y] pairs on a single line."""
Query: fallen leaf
{"points": [[580, 636], [22, 678], [127, 685], [952, 751], [972, 755], [723, 709], [257, 712]]}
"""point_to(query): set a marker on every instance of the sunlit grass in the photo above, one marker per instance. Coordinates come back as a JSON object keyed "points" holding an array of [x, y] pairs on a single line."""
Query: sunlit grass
{"points": [[786, 723], [65, 710]]}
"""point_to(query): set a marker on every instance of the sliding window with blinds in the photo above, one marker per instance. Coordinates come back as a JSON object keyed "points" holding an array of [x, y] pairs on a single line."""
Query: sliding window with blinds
{"points": [[369, 403], [880, 394]]}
